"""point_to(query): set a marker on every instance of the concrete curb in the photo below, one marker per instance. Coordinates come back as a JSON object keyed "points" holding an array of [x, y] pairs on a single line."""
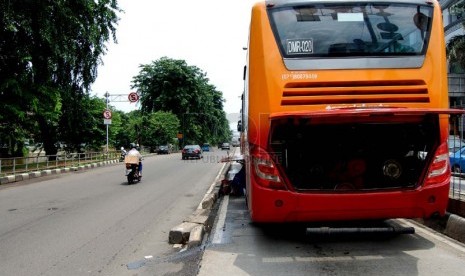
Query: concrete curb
{"points": [[455, 228], [192, 230], [450, 225], [25, 176]]}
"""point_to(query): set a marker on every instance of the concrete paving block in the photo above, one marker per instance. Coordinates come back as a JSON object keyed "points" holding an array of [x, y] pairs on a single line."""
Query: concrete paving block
{"points": [[181, 233], [5, 180], [21, 177], [35, 174], [455, 228], [200, 216], [196, 235], [209, 201], [46, 172]]}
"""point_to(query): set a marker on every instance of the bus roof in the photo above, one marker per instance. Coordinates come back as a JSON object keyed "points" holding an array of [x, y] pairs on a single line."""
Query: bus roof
{"points": [[292, 2]]}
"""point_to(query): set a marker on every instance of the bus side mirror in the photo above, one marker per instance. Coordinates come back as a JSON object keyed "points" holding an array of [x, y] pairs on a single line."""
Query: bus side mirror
{"points": [[239, 125]]}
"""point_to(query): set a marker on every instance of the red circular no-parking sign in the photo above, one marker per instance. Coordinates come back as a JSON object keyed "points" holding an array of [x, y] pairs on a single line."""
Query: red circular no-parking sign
{"points": [[133, 97], [107, 114]]}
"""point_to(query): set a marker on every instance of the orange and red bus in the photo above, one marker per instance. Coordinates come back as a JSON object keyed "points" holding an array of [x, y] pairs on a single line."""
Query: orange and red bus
{"points": [[345, 111]]}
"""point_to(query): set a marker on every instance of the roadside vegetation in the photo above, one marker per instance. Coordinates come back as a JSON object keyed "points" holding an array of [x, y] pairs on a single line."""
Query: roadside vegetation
{"points": [[49, 57], [455, 48]]}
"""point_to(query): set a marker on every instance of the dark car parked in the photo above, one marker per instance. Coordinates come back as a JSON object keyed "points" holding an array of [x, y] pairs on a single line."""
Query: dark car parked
{"points": [[193, 151], [164, 149]]}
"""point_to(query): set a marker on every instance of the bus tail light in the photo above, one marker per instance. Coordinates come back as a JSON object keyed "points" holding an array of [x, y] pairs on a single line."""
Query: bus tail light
{"points": [[265, 170], [439, 170]]}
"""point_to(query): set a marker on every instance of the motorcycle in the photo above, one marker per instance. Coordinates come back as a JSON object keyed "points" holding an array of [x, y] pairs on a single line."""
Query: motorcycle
{"points": [[122, 156], [132, 173]]}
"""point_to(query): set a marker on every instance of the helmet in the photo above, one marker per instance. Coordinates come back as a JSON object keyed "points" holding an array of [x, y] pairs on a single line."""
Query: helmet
{"points": [[122, 148], [133, 146]]}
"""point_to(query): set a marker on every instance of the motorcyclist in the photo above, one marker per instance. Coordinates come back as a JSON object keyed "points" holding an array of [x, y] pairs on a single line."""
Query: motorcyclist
{"points": [[123, 154], [134, 155]]}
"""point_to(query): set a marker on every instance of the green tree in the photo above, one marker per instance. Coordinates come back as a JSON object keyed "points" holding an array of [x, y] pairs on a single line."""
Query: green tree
{"points": [[132, 128], [119, 136], [49, 54], [455, 48], [81, 126], [174, 86], [160, 128]]}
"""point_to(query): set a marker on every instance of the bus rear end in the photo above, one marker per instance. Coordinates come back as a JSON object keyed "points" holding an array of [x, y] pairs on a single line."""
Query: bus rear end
{"points": [[346, 111]]}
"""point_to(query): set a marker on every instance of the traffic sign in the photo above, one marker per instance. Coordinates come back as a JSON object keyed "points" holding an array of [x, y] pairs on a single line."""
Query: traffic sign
{"points": [[107, 114], [133, 97]]}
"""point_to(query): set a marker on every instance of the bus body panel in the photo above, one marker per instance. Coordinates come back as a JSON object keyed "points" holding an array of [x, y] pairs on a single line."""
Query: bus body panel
{"points": [[272, 88], [298, 207]]}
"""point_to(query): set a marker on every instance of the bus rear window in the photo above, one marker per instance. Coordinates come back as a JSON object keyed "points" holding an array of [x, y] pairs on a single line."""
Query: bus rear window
{"points": [[351, 29]]}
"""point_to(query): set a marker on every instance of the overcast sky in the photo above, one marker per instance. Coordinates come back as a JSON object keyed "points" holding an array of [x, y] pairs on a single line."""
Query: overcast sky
{"points": [[209, 34]]}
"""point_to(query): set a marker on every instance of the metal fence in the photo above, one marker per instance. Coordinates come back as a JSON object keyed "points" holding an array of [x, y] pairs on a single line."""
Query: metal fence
{"points": [[18, 165], [456, 138]]}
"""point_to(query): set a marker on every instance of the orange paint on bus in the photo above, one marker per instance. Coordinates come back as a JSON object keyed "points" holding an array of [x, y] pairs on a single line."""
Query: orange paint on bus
{"points": [[297, 99]]}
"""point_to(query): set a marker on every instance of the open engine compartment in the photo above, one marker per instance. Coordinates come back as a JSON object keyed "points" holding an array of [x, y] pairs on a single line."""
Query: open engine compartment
{"points": [[366, 153]]}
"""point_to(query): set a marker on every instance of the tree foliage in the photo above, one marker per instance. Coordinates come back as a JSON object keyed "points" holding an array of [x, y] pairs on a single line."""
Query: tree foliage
{"points": [[49, 54], [174, 86], [159, 128], [455, 48]]}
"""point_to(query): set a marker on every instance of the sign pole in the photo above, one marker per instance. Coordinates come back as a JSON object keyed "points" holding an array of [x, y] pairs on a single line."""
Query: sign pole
{"points": [[132, 97], [107, 95]]}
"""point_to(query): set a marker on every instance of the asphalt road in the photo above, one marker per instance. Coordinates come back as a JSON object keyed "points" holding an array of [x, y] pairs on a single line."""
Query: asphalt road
{"points": [[93, 223]]}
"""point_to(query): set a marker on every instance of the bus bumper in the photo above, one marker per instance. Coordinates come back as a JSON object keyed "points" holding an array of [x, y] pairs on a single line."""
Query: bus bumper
{"points": [[287, 206]]}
